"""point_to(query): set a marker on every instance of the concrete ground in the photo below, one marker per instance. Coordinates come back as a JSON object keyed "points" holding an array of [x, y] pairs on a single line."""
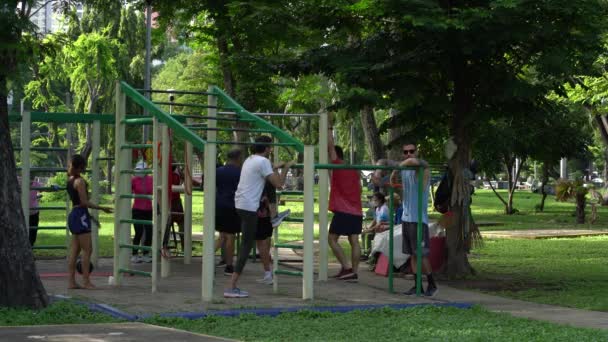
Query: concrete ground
{"points": [[181, 292], [112, 332]]}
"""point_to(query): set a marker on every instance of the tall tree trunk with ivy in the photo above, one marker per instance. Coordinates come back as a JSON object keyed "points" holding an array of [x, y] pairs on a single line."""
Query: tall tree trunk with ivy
{"points": [[458, 236], [21, 285]]}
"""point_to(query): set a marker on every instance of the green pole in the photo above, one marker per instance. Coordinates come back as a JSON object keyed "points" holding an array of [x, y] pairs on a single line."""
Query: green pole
{"points": [[419, 235], [390, 239]]}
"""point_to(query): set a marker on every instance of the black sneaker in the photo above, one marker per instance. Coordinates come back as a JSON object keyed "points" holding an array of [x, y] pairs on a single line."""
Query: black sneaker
{"points": [[430, 291], [228, 270], [410, 292]]}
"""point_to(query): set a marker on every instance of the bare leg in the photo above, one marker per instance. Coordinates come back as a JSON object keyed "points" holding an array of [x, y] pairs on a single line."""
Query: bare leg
{"points": [[264, 248], [234, 279], [87, 249], [426, 265], [273, 210], [355, 254], [337, 249], [229, 238], [74, 251], [219, 242]]}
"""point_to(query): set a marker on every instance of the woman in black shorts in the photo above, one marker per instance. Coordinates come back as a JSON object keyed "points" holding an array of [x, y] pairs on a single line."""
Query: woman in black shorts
{"points": [[79, 222]]}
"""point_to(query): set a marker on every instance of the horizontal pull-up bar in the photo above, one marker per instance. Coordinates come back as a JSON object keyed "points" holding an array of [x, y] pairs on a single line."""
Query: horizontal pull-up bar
{"points": [[226, 129], [249, 143], [44, 149], [279, 114], [177, 92], [217, 118], [195, 105], [357, 167]]}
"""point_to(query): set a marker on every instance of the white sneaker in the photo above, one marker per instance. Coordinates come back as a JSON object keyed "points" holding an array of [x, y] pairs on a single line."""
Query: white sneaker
{"points": [[276, 221], [146, 258], [266, 280], [235, 293], [136, 259]]}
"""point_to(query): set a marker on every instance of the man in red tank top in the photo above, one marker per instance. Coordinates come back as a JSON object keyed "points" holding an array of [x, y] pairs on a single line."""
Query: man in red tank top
{"points": [[345, 203]]}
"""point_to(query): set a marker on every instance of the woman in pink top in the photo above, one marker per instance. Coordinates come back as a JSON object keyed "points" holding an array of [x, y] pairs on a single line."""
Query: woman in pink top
{"points": [[142, 210]]}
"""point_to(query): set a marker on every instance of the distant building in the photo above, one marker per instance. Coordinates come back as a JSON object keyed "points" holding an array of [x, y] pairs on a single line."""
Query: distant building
{"points": [[46, 20]]}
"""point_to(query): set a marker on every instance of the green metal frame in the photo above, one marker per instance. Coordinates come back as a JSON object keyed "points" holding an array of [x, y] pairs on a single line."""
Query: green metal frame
{"points": [[257, 121], [164, 117]]}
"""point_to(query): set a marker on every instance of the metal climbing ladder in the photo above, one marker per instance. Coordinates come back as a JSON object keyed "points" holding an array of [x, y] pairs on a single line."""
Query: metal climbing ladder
{"points": [[160, 122]]}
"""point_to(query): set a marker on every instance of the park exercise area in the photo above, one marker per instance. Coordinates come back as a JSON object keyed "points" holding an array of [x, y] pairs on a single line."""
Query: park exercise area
{"points": [[180, 294], [163, 210]]}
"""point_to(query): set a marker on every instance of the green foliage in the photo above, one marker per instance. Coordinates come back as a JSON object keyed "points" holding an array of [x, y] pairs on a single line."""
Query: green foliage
{"points": [[60, 179], [92, 68], [61, 312], [566, 190], [415, 324]]}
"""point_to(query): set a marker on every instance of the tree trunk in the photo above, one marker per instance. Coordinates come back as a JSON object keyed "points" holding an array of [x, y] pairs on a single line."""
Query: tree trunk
{"points": [[544, 181], [513, 186], [88, 145], [459, 235], [605, 176], [394, 149], [370, 131], [581, 202], [509, 162], [20, 283]]}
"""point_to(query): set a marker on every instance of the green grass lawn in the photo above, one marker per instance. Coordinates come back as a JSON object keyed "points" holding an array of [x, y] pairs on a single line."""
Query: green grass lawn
{"points": [[61, 312], [557, 215], [414, 324], [567, 272]]}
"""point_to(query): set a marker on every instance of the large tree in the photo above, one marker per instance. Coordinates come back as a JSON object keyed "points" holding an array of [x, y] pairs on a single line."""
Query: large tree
{"points": [[462, 63], [21, 285]]}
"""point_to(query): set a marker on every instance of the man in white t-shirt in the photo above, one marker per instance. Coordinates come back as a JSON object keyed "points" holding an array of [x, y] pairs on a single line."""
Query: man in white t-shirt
{"points": [[256, 170]]}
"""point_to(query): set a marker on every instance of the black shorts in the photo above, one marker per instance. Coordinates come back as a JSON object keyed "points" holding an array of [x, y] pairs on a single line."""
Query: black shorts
{"points": [[264, 230], [410, 234], [346, 224], [227, 221]]}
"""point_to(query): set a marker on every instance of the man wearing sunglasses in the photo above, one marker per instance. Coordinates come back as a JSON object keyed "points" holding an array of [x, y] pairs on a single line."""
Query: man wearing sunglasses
{"points": [[409, 180]]}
